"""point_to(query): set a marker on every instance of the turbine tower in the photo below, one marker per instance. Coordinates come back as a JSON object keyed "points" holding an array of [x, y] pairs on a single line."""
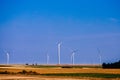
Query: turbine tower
{"points": [[100, 58], [8, 57], [59, 45], [47, 59], [73, 56]]}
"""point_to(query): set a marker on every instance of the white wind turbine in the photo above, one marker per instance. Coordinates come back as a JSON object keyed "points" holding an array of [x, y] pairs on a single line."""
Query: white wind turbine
{"points": [[100, 58], [47, 59], [73, 56], [7, 57], [59, 45]]}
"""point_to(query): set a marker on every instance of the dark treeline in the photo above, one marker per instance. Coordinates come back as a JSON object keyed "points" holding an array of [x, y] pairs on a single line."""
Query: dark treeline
{"points": [[115, 65]]}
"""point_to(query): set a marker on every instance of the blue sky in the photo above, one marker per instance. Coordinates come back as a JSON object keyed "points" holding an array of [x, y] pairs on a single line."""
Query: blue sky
{"points": [[31, 29]]}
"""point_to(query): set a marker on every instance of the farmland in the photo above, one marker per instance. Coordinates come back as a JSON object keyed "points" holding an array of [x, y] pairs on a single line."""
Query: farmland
{"points": [[56, 71]]}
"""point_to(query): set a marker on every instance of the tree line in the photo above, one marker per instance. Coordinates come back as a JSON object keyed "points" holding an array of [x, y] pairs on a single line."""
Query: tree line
{"points": [[115, 65]]}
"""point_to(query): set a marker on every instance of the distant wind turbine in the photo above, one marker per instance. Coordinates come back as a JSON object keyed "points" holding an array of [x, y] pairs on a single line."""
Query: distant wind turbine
{"points": [[100, 58], [47, 59], [8, 57], [59, 45], [73, 56]]}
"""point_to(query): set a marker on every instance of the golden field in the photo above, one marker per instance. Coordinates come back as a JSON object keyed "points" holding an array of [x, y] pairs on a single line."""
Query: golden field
{"points": [[20, 68], [60, 70]]}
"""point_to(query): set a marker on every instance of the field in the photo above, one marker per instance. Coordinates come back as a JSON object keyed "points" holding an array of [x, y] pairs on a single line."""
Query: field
{"points": [[63, 72]]}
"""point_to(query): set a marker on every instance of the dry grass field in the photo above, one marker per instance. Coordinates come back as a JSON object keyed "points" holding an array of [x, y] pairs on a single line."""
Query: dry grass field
{"points": [[55, 70], [60, 70]]}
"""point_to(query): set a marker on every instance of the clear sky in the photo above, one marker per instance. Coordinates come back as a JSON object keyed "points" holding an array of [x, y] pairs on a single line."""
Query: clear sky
{"points": [[31, 29]]}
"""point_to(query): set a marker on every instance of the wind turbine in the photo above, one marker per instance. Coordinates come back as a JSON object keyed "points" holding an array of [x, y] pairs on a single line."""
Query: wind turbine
{"points": [[73, 56], [47, 59], [7, 56], [59, 45], [100, 58]]}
